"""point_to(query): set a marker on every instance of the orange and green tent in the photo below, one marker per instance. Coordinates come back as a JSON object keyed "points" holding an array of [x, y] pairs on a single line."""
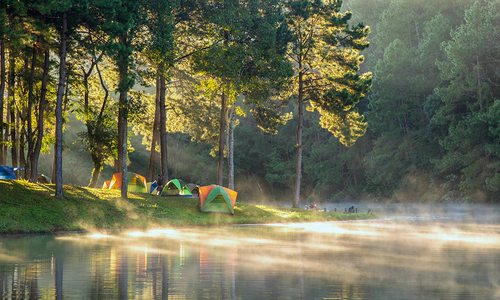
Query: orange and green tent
{"points": [[106, 184], [215, 198], [136, 183], [176, 187]]}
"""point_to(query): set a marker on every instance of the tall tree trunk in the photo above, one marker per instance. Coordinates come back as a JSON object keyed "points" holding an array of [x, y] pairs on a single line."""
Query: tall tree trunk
{"points": [[2, 90], [98, 164], [29, 125], [22, 141], [222, 122], [163, 129], [222, 135], [86, 75], [86, 93], [7, 128], [12, 109], [59, 108], [153, 157], [41, 111], [122, 119], [53, 173], [122, 138], [298, 166], [230, 145], [96, 173]]}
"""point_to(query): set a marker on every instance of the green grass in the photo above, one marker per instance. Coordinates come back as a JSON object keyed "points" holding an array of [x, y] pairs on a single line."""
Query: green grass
{"points": [[30, 208]]}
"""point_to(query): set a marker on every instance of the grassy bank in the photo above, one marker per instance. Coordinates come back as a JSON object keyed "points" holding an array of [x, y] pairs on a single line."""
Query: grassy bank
{"points": [[29, 208]]}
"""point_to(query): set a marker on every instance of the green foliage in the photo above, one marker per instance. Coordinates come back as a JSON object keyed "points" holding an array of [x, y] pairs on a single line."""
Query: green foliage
{"points": [[326, 52], [470, 101], [100, 138], [433, 109]]}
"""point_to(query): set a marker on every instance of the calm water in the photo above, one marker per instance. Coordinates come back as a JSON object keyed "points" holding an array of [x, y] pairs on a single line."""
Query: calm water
{"points": [[386, 259]]}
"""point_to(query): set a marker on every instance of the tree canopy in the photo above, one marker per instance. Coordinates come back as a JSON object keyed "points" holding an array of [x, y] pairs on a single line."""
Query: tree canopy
{"points": [[306, 100]]}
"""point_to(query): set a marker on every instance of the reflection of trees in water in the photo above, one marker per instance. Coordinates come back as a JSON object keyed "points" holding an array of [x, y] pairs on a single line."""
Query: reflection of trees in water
{"points": [[164, 277], [59, 267], [247, 265], [122, 267]]}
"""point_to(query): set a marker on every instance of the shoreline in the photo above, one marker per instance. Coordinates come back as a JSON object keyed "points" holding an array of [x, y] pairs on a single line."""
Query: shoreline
{"points": [[29, 208]]}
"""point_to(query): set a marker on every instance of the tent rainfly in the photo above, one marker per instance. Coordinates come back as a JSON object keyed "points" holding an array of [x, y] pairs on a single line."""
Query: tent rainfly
{"points": [[215, 198]]}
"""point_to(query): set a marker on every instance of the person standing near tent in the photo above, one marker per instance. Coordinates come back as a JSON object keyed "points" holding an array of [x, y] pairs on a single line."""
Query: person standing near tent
{"points": [[159, 182]]}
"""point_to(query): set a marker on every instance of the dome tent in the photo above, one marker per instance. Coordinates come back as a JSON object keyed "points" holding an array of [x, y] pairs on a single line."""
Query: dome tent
{"points": [[136, 183], [7, 173], [215, 198], [176, 187]]}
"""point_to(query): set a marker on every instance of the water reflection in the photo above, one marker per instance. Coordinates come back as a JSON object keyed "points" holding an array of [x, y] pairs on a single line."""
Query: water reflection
{"points": [[344, 260]]}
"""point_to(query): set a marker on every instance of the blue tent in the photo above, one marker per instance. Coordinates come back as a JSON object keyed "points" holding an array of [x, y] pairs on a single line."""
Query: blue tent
{"points": [[154, 185], [7, 173]]}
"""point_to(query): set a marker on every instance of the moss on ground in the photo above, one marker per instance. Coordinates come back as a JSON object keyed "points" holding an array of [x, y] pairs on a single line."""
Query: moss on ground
{"points": [[30, 208]]}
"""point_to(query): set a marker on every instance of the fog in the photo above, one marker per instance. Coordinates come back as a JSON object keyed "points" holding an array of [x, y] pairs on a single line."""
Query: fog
{"points": [[409, 252]]}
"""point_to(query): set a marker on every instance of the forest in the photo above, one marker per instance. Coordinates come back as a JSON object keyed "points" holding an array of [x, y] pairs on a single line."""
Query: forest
{"points": [[292, 100]]}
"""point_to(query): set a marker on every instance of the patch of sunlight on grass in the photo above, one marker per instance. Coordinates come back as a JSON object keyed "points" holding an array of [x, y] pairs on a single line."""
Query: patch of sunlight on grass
{"points": [[31, 207]]}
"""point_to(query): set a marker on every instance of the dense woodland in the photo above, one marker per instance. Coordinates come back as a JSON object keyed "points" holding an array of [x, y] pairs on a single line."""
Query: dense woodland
{"points": [[283, 100]]}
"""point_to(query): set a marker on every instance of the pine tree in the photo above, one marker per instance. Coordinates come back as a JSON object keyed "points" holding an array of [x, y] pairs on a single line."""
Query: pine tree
{"points": [[122, 20], [325, 51]]}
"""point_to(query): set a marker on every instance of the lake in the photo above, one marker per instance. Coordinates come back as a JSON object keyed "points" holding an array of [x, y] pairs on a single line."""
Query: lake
{"points": [[427, 256]]}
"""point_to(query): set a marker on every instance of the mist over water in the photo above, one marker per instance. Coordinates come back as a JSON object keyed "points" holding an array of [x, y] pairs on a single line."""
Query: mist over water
{"points": [[411, 252]]}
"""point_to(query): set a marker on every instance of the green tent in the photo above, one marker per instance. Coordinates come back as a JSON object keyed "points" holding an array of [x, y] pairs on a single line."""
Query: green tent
{"points": [[217, 199], [194, 188], [176, 187]]}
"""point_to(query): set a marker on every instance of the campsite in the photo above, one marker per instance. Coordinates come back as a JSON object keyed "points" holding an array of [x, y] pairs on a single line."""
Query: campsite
{"points": [[250, 149]]}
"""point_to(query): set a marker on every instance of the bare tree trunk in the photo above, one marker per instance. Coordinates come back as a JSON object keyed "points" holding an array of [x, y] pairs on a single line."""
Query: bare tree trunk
{"points": [[163, 129], [230, 145], [122, 122], [53, 173], [96, 173], [59, 108], [97, 165], [7, 127], [22, 141], [12, 109], [298, 166], [31, 102], [2, 90], [122, 146], [41, 111], [222, 135], [153, 157]]}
